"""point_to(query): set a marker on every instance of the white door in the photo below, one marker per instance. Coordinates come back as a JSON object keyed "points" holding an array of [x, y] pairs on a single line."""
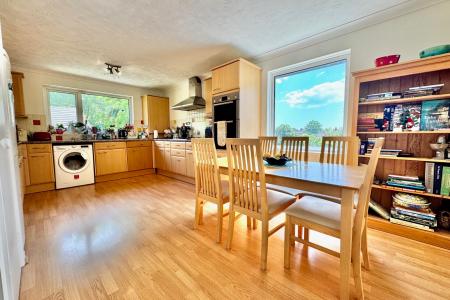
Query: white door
{"points": [[12, 256]]}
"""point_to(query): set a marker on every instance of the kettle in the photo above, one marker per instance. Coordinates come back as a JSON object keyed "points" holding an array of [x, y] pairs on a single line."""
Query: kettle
{"points": [[123, 134]]}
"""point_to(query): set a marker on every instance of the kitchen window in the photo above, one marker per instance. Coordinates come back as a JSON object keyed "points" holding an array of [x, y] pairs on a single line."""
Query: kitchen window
{"points": [[308, 99], [96, 109]]}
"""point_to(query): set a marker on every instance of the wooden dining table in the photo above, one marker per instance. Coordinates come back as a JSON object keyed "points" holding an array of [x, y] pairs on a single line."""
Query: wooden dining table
{"points": [[335, 180]]}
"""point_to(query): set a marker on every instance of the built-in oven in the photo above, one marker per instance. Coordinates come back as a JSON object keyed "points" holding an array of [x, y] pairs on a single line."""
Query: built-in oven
{"points": [[226, 108]]}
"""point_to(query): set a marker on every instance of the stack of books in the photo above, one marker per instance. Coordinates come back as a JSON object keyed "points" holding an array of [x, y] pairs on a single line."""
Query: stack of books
{"points": [[390, 152], [367, 122], [412, 211], [420, 91], [381, 96], [406, 182]]}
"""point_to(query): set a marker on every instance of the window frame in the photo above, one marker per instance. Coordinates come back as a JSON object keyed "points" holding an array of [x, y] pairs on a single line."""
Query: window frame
{"points": [[301, 66], [78, 98]]}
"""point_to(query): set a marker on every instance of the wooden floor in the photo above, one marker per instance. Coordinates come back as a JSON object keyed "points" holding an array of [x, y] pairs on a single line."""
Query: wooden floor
{"points": [[133, 239]]}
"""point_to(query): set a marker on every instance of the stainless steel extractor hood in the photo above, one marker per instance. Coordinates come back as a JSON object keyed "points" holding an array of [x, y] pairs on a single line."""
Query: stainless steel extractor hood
{"points": [[195, 100]]}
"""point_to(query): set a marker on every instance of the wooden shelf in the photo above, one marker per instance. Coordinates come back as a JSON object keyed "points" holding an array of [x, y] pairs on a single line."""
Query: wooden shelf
{"points": [[405, 132], [438, 238], [409, 158], [406, 100], [409, 191]]}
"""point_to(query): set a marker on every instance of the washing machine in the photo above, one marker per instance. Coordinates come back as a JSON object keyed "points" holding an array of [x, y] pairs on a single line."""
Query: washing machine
{"points": [[74, 165]]}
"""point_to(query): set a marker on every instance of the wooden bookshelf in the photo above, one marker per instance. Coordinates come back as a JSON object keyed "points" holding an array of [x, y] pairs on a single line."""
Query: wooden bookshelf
{"points": [[404, 132], [409, 191], [398, 78], [406, 100], [425, 159], [439, 238]]}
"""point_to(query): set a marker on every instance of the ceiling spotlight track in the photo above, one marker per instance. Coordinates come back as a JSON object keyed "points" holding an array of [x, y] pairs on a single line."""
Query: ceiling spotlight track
{"points": [[113, 69]]}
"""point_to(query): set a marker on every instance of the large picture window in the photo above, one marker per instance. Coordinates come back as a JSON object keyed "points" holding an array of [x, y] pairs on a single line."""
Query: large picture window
{"points": [[95, 109], [309, 99]]}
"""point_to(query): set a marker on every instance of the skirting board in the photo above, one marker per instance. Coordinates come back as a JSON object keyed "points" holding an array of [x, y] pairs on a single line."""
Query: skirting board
{"points": [[123, 175], [175, 176], [36, 188]]}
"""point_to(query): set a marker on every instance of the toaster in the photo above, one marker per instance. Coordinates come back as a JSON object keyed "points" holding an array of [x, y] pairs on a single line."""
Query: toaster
{"points": [[42, 136]]}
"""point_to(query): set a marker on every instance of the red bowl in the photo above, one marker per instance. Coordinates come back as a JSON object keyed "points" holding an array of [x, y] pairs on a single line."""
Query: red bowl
{"points": [[387, 60]]}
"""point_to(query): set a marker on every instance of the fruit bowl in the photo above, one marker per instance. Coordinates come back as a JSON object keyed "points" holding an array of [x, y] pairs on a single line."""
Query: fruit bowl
{"points": [[277, 160]]}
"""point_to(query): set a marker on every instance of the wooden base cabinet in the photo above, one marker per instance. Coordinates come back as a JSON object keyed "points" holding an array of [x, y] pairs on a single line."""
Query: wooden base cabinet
{"points": [[40, 163], [139, 155], [190, 171], [178, 165], [110, 161]]}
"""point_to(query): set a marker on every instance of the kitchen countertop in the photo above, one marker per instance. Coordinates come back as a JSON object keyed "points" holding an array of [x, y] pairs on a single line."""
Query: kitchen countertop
{"points": [[101, 141]]}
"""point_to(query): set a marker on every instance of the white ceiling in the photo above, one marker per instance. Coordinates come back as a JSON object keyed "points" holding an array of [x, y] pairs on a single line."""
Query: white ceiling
{"points": [[159, 43]]}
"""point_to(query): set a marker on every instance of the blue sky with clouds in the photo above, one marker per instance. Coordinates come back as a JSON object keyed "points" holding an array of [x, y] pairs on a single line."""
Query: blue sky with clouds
{"points": [[315, 94]]}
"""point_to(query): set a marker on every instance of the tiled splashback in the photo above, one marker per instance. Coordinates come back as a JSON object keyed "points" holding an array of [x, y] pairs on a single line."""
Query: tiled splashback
{"points": [[198, 121], [33, 123]]}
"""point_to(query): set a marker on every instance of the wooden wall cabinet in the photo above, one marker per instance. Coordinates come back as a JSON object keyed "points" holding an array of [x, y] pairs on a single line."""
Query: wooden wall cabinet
{"points": [[19, 101], [225, 78], [155, 112], [208, 96], [245, 77], [110, 161]]}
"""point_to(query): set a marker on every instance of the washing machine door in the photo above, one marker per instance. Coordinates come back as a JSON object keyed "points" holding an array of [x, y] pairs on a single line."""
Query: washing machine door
{"points": [[74, 161]]}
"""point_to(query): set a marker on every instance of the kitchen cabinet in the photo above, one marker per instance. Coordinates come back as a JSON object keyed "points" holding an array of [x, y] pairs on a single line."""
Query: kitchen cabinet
{"points": [[190, 168], [139, 158], [159, 155], [22, 149], [19, 102], [245, 77], [208, 96], [110, 161], [40, 163], [225, 77], [178, 165], [41, 168], [167, 163], [155, 112], [139, 155]]}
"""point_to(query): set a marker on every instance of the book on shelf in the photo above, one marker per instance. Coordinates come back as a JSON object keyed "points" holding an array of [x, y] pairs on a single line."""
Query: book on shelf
{"points": [[414, 219], [388, 113], [377, 208], [408, 182], [429, 176], [381, 96], [422, 213], [437, 178], [445, 181], [410, 224], [435, 115]]}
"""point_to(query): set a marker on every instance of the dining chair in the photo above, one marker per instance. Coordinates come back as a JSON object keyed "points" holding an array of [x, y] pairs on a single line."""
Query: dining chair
{"points": [[339, 150], [248, 193], [295, 148], [210, 186], [325, 216], [268, 144], [342, 150]]}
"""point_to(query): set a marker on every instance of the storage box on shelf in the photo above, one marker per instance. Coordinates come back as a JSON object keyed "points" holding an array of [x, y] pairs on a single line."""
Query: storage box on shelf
{"points": [[398, 78]]}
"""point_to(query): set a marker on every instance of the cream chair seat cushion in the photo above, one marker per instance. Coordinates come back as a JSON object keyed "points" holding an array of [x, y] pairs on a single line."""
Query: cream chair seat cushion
{"points": [[317, 210], [276, 201]]}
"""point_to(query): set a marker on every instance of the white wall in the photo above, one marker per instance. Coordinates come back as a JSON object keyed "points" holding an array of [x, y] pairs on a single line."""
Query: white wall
{"points": [[406, 35], [35, 80]]}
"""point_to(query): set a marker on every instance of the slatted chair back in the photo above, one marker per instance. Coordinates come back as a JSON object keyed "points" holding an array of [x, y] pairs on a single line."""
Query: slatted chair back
{"points": [[296, 147], [244, 161], [207, 176], [339, 150], [364, 194], [268, 144]]}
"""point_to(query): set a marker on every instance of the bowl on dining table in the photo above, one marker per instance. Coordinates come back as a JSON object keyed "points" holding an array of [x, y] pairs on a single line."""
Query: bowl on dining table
{"points": [[277, 160]]}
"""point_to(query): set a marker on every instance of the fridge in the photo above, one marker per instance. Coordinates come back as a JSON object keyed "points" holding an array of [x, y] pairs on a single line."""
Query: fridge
{"points": [[12, 254]]}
